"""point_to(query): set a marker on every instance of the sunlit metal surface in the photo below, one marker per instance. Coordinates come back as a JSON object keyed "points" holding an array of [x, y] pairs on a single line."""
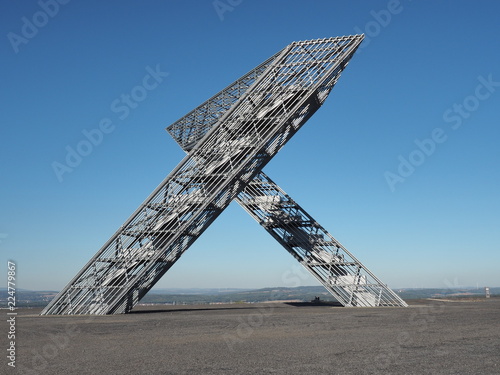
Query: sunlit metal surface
{"points": [[229, 139]]}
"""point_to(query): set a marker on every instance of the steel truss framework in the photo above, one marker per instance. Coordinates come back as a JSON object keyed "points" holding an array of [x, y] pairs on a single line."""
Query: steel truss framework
{"points": [[229, 139]]}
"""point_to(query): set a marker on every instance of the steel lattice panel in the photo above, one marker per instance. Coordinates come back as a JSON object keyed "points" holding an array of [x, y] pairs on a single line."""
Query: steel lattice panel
{"points": [[240, 130], [349, 281]]}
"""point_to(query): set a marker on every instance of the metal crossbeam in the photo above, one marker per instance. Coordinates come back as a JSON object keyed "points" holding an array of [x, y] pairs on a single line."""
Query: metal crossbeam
{"points": [[237, 134], [344, 276], [349, 281]]}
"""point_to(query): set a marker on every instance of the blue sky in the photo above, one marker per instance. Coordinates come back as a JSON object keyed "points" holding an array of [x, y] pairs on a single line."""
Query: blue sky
{"points": [[400, 164]]}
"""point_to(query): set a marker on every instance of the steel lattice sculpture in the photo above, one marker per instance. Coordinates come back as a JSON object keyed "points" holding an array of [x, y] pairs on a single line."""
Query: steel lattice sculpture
{"points": [[229, 139]]}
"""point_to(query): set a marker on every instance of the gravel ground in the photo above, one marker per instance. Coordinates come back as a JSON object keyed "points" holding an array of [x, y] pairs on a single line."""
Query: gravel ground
{"points": [[429, 337]]}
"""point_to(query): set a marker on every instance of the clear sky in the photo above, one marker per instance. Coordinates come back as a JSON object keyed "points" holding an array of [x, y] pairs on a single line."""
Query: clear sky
{"points": [[401, 164]]}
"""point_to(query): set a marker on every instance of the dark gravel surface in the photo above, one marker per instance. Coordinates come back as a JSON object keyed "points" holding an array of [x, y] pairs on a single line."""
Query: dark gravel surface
{"points": [[429, 337]]}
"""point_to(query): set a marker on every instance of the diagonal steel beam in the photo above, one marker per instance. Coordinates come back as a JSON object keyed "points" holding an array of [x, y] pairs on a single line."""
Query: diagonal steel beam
{"points": [[344, 276], [244, 138]]}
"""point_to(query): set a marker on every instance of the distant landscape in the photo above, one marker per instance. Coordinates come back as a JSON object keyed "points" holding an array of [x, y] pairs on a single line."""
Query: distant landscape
{"points": [[179, 296]]}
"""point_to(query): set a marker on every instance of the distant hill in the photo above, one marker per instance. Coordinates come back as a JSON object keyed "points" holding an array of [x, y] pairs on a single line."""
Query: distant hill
{"points": [[305, 293], [203, 291], [411, 293], [29, 298]]}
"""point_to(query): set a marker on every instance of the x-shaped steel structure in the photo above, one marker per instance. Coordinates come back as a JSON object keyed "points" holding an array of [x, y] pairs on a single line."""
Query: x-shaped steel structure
{"points": [[228, 140]]}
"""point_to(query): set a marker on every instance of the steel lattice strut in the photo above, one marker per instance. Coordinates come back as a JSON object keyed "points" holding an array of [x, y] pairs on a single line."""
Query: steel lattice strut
{"points": [[230, 138], [345, 277], [349, 281]]}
